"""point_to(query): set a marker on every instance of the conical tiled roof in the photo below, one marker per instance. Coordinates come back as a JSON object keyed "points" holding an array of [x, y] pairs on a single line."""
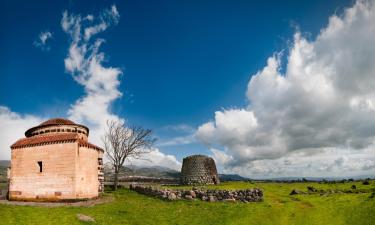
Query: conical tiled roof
{"points": [[57, 121], [54, 122]]}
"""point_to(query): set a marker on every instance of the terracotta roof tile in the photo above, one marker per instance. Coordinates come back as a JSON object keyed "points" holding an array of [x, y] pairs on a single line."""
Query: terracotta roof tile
{"points": [[88, 144], [44, 139], [57, 121], [47, 139]]}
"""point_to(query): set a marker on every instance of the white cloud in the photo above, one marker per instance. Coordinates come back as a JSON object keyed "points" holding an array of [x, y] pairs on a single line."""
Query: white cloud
{"points": [[14, 126], [179, 140], [85, 62], [41, 42], [157, 158], [184, 128], [322, 107], [179, 134]]}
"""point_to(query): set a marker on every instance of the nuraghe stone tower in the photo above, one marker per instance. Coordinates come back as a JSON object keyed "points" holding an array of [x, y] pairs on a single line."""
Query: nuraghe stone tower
{"points": [[199, 169]]}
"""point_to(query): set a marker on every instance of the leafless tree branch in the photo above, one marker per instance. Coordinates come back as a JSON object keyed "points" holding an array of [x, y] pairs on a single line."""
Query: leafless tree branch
{"points": [[122, 142]]}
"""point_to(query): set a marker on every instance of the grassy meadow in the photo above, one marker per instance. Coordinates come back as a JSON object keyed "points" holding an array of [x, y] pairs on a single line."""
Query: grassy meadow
{"points": [[278, 207]]}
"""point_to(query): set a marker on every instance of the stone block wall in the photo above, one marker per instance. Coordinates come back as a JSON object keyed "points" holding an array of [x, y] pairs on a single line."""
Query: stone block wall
{"points": [[87, 173], [56, 181]]}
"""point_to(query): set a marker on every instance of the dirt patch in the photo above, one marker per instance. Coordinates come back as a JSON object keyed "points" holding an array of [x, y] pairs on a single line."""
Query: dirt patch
{"points": [[306, 204], [87, 203]]}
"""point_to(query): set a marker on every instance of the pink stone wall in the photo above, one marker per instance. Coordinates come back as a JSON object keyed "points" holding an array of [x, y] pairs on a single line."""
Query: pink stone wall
{"points": [[57, 181], [87, 183], [69, 172]]}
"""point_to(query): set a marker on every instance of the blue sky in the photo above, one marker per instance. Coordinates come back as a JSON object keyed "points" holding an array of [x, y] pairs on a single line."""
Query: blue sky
{"points": [[181, 61]]}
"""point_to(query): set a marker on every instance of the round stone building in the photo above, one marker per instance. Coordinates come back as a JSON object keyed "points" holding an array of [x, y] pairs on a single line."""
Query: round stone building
{"points": [[199, 169], [55, 162]]}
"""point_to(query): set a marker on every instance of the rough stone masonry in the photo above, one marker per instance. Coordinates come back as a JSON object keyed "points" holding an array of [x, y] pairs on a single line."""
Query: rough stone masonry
{"points": [[246, 195], [199, 169]]}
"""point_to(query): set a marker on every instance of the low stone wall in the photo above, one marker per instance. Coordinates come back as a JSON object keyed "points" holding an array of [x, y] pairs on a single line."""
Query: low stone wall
{"points": [[247, 195]]}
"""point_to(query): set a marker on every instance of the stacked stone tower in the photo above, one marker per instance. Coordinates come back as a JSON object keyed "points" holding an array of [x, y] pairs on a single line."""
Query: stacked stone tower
{"points": [[199, 169]]}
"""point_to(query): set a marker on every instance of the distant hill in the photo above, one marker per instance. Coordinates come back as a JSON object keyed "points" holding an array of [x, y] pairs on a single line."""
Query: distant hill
{"points": [[162, 172], [232, 177], [4, 163], [361, 177], [155, 171]]}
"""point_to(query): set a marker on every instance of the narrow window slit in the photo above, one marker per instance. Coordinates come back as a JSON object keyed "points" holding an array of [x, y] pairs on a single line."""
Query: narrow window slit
{"points": [[40, 163]]}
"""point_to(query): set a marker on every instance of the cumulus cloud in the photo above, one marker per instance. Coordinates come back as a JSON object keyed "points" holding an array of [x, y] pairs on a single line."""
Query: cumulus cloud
{"points": [[322, 104], [14, 126], [42, 39], [157, 158]]}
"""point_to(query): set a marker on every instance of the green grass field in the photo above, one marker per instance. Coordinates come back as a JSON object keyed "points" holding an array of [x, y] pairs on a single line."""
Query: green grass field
{"points": [[278, 207]]}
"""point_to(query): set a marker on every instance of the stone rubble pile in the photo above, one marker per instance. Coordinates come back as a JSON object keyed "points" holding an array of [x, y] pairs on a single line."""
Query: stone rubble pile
{"points": [[247, 195], [312, 190]]}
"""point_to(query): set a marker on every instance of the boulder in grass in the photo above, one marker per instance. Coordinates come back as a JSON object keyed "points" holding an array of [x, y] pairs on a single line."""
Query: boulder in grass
{"points": [[311, 189], [230, 200], [296, 192], [85, 218]]}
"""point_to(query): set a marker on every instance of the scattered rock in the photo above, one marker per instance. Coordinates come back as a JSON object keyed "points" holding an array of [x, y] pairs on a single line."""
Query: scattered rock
{"points": [[296, 192], [211, 198], [189, 197], [366, 182], [192, 193], [85, 218], [172, 196], [230, 200], [311, 189]]}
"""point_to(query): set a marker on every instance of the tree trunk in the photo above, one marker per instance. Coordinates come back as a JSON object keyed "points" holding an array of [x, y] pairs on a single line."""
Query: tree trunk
{"points": [[116, 179]]}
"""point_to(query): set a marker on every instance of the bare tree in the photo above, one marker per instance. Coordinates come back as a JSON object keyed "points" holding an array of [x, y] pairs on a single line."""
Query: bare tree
{"points": [[122, 142]]}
